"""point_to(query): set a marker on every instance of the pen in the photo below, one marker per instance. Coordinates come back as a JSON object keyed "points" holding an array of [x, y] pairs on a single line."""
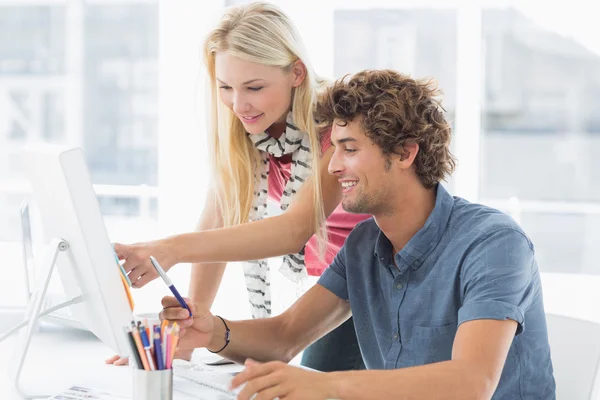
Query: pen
{"points": [[149, 330], [169, 349], [163, 325], [165, 278], [174, 341], [122, 270], [138, 341], [146, 342], [165, 350], [134, 351], [157, 348]]}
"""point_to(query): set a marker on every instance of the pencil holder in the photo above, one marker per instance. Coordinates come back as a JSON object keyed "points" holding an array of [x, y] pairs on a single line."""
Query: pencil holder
{"points": [[152, 385]]}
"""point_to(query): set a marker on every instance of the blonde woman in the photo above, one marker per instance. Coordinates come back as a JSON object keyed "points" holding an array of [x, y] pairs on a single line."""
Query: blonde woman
{"points": [[265, 145]]}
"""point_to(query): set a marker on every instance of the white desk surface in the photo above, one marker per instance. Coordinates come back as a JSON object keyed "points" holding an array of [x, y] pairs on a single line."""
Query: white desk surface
{"points": [[60, 357]]}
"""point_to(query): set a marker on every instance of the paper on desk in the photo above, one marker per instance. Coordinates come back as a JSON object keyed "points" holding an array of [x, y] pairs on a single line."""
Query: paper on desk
{"points": [[184, 389], [82, 393], [199, 381]]}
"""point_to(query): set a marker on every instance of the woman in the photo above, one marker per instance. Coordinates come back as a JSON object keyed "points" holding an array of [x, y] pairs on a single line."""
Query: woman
{"points": [[265, 144]]}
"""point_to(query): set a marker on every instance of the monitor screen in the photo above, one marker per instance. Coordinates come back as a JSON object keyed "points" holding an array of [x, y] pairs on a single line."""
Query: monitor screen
{"points": [[69, 210]]}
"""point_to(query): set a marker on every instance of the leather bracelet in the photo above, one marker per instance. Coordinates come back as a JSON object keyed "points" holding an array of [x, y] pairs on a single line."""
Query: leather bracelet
{"points": [[227, 337]]}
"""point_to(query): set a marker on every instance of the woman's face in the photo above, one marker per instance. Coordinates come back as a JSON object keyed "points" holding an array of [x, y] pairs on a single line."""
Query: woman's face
{"points": [[259, 95]]}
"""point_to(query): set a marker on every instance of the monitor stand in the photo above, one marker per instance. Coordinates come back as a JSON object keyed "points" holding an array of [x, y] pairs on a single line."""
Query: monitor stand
{"points": [[35, 312]]}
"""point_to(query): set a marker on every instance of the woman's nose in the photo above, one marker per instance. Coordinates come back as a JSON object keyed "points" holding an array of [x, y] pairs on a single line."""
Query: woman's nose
{"points": [[240, 105]]}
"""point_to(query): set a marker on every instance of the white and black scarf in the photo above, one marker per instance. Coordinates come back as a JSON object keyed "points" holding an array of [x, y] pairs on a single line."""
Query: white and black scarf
{"points": [[256, 272]]}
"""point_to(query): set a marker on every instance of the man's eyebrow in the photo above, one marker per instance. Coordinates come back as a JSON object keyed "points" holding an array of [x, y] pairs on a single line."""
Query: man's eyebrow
{"points": [[245, 83], [343, 140]]}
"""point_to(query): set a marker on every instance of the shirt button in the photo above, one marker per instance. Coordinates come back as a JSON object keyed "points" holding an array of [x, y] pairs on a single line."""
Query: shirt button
{"points": [[395, 336], [399, 286]]}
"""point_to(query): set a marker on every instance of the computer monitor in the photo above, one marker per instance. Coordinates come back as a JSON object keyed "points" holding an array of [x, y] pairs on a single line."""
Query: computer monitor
{"points": [[69, 210]]}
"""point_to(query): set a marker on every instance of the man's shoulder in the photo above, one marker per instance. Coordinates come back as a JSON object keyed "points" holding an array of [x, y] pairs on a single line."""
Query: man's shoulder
{"points": [[365, 233], [360, 244], [364, 230], [481, 222]]}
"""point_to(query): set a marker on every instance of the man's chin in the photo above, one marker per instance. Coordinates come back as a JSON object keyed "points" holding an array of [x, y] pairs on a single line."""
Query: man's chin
{"points": [[350, 207]]}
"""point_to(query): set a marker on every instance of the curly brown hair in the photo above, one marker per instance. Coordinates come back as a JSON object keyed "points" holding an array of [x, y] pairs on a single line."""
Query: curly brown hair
{"points": [[393, 109]]}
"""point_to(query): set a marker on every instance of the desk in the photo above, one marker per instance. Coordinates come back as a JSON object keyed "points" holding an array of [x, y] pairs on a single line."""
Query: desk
{"points": [[61, 357]]}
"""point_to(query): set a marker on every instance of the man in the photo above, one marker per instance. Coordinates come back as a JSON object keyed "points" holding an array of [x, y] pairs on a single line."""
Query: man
{"points": [[445, 294]]}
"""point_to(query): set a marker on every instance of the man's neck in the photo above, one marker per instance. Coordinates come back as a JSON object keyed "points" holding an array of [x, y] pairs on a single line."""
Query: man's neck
{"points": [[408, 217]]}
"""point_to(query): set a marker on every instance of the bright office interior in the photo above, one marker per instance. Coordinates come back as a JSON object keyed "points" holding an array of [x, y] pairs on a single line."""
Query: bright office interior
{"points": [[123, 80]]}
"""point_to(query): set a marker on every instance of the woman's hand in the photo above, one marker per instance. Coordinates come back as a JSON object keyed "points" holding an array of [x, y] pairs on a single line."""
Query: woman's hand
{"points": [[182, 354], [137, 260], [117, 360]]}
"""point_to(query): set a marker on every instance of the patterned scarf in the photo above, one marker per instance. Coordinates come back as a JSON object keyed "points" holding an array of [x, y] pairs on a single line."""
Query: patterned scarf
{"points": [[257, 272]]}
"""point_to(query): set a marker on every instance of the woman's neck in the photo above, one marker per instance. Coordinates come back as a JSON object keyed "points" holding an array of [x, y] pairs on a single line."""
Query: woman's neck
{"points": [[278, 127], [276, 130]]}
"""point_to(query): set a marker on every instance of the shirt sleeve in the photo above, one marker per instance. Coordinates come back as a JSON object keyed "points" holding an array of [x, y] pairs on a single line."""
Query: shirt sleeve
{"points": [[334, 277], [497, 279]]}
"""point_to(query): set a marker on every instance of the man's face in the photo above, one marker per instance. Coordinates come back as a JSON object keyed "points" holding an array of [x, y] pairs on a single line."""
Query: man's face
{"points": [[365, 173]]}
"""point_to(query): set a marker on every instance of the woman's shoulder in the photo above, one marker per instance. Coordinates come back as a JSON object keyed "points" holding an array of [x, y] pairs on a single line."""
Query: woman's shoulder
{"points": [[325, 138], [324, 131]]}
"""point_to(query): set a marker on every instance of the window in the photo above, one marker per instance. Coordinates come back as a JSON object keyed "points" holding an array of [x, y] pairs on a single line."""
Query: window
{"points": [[82, 74], [417, 42], [537, 113], [520, 86]]}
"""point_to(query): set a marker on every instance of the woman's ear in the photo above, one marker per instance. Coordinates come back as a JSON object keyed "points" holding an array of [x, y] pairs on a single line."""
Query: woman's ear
{"points": [[298, 70]]}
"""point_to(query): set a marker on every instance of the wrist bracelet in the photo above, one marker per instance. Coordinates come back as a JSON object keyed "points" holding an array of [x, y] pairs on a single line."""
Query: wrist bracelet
{"points": [[227, 337]]}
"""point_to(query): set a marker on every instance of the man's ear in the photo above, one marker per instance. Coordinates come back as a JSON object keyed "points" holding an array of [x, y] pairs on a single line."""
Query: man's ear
{"points": [[408, 153], [299, 73]]}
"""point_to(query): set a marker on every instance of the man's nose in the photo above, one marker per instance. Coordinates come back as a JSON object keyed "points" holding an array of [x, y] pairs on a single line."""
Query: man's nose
{"points": [[335, 166]]}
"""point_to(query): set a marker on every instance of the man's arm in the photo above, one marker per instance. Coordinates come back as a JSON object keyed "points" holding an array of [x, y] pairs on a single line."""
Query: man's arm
{"points": [[497, 288], [479, 352], [281, 338], [478, 356]]}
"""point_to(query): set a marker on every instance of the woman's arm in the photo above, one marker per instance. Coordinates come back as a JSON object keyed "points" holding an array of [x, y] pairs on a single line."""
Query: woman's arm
{"points": [[269, 237], [206, 279]]}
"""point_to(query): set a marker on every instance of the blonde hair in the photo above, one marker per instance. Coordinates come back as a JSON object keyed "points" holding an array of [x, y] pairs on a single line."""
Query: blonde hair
{"points": [[261, 33]]}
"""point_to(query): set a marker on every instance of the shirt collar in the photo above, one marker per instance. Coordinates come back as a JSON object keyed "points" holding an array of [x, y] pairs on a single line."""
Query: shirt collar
{"points": [[425, 240]]}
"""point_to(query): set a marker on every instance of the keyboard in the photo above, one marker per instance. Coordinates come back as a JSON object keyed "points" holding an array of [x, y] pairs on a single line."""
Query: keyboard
{"points": [[201, 382]]}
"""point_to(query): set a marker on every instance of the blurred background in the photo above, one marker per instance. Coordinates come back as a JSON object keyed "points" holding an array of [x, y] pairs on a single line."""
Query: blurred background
{"points": [[123, 79]]}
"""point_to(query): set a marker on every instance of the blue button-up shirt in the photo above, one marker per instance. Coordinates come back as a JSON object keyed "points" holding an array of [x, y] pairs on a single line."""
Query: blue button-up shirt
{"points": [[468, 262]]}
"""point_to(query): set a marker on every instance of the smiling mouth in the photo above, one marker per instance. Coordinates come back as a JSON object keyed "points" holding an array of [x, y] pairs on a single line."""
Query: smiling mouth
{"points": [[251, 119], [348, 186]]}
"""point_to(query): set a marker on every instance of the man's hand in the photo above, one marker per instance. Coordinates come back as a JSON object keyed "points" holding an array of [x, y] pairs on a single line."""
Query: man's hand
{"points": [[279, 380], [196, 331]]}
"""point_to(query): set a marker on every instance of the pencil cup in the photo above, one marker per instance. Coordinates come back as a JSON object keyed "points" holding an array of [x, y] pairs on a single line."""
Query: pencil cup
{"points": [[152, 385]]}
